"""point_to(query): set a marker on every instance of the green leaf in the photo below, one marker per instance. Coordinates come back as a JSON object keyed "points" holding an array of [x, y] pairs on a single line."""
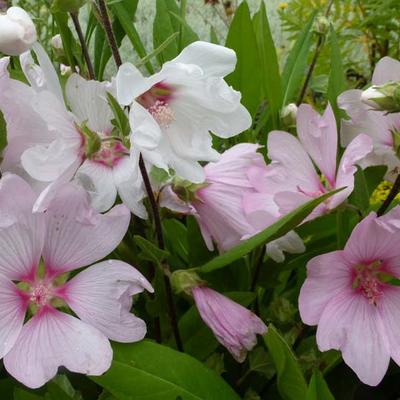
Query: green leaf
{"points": [[60, 388], [247, 75], [67, 37], [296, 63], [269, 62], [276, 230], [150, 251], [120, 118], [67, 5], [166, 23], [318, 388], [3, 132], [360, 195], [290, 379], [337, 77], [147, 370], [120, 11], [22, 394]]}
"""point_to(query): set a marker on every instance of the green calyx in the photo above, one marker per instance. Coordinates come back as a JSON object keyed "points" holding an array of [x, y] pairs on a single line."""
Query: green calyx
{"points": [[185, 281], [187, 190], [92, 140], [390, 101]]}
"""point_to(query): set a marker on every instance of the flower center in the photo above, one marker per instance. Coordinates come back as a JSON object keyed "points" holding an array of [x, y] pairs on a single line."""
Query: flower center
{"points": [[162, 113], [41, 294], [157, 101], [110, 153], [367, 280]]}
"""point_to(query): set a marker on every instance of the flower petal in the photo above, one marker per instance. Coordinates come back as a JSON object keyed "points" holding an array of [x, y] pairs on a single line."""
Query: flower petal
{"points": [[101, 296], [21, 232], [387, 69], [351, 324], [77, 235], [318, 134], [327, 276], [12, 314], [213, 59], [52, 339], [88, 102]]}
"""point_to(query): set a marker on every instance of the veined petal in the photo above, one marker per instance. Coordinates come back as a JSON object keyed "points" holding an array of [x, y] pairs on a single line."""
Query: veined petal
{"points": [[21, 232], [52, 339], [76, 234], [387, 69], [101, 296]]}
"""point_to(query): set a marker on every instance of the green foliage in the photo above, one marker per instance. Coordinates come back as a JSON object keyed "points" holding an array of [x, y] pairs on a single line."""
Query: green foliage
{"points": [[170, 374]]}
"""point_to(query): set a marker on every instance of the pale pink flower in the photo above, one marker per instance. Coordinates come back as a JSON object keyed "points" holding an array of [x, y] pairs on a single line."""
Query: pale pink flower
{"points": [[380, 126], [234, 326], [292, 178], [219, 206], [348, 295], [174, 110], [70, 235], [46, 140]]}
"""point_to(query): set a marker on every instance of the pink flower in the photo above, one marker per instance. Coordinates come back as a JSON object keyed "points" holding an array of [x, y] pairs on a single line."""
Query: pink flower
{"points": [[347, 294], [292, 179], [380, 126], [220, 206], [234, 326], [68, 236]]}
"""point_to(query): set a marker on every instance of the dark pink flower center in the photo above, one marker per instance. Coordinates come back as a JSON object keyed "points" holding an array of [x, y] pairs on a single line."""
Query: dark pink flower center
{"points": [[41, 294], [367, 280], [110, 153], [157, 101]]}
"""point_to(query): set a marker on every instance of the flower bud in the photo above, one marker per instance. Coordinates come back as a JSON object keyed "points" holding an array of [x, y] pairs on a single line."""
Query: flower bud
{"points": [[56, 42], [383, 98], [185, 281], [234, 326], [17, 32], [288, 114], [321, 25]]}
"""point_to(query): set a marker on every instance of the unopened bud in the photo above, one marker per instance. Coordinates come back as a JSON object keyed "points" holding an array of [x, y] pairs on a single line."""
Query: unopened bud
{"points": [[56, 42], [321, 25], [186, 190], [383, 98], [289, 114], [185, 281], [17, 32]]}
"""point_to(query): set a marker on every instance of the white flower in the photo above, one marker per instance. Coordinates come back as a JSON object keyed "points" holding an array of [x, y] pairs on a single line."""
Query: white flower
{"points": [[17, 32], [173, 111]]}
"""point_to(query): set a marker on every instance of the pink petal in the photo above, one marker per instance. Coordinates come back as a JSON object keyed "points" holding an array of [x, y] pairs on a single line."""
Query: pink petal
{"points": [[21, 232], [76, 234], [389, 308], [318, 134], [52, 339], [355, 152], [327, 275], [12, 314], [101, 296], [387, 69], [287, 150], [350, 324], [371, 241]]}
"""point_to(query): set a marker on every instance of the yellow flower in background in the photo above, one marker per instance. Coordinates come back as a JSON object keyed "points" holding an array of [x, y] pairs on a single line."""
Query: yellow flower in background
{"points": [[381, 192], [283, 6]]}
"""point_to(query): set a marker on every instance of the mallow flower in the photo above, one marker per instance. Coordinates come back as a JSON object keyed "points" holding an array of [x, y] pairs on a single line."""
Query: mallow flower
{"points": [[383, 128], [349, 295], [219, 204], [46, 321], [17, 31], [234, 326], [292, 178], [173, 111], [63, 142]]}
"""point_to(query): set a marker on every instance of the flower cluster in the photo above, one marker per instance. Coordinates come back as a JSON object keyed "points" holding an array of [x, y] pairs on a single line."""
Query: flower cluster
{"points": [[75, 150]]}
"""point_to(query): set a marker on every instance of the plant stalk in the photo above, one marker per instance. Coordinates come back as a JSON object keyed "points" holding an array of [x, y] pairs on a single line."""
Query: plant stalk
{"points": [[153, 203]]}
